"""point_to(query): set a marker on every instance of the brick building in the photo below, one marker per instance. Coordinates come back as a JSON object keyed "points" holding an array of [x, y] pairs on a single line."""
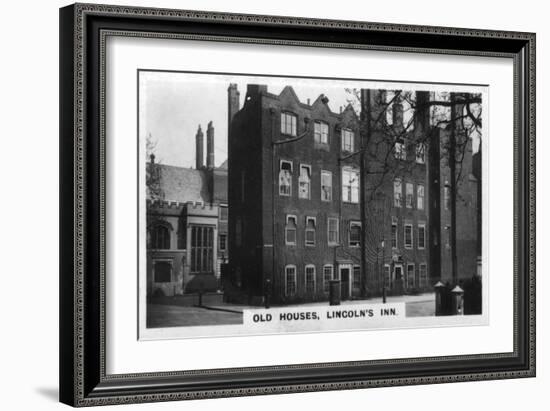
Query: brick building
{"points": [[295, 191], [186, 223]]}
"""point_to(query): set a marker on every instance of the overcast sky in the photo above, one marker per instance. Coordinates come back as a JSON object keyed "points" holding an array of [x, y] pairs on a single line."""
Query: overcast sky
{"points": [[172, 105]]}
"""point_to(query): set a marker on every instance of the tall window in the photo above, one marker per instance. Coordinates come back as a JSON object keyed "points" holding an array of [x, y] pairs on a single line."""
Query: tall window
{"points": [[202, 249], [354, 234], [223, 213], [348, 138], [328, 271], [420, 153], [320, 132], [397, 192], [304, 181], [285, 178], [409, 195], [160, 238], [408, 236], [394, 234], [356, 277], [162, 270], [326, 185], [423, 268], [310, 279], [290, 230], [420, 196], [290, 280], [421, 236], [350, 185], [332, 226], [310, 231], [410, 276], [288, 124], [400, 150]]}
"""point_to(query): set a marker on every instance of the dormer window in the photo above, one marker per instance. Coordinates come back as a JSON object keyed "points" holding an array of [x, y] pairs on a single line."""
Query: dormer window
{"points": [[348, 138], [288, 124]]}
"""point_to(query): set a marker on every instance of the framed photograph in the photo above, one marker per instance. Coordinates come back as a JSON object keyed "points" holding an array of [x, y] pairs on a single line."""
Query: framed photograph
{"points": [[261, 204]]}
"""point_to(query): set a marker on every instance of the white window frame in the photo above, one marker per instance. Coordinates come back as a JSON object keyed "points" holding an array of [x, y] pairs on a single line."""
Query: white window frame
{"points": [[356, 224], [306, 230], [281, 162], [394, 235], [307, 167], [420, 199], [397, 195], [325, 173], [326, 283], [410, 246], [337, 231], [423, 226], [409, 204], [400, 150], [323, 126], [309, 292], [292, 131], [352, 188], [420, 153], [287, 294], [347, 143], [288, 217]]}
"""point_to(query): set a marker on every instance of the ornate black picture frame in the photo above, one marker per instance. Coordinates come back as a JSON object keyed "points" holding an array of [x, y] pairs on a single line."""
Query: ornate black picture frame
{"points": [[83, 31]]}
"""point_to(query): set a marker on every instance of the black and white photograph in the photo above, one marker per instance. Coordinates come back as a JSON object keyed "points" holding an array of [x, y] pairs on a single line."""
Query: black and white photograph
{"points": [[273, 204]]}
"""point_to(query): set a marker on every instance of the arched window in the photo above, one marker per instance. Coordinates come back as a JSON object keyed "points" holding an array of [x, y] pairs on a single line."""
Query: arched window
{"points": [[160, 237]]}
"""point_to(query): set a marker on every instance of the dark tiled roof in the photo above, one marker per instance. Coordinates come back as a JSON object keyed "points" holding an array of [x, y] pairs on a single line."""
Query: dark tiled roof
{"points": [[183, 184]]}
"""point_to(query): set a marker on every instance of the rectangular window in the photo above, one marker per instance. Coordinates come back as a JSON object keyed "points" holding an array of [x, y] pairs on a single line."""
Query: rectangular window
{"points": [[290, 230], [423, 268], [356, 277], [397, 192], [223, 242], [410, 276], [304, 181], [310, 279], [202, 250], [421, 236], [332, 228], [290, 280], [162, 271], [420, 153], [408, 236], [285, 178], [310, 231], [320, 132], [350, 185], [223, 213], [420, 196], [326, 185], [327, 276], [354, 234], [288, 124], [394, 234], [409, 195], [400, 150], [348, 138]]}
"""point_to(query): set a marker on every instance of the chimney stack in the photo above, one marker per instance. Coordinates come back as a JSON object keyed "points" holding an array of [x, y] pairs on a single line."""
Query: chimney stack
{"points": [[210, 145], [199, 145], [233, 104]]}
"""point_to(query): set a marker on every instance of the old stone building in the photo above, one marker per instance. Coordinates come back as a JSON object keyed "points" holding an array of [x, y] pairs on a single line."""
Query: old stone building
{"points": [[187, 223]]}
